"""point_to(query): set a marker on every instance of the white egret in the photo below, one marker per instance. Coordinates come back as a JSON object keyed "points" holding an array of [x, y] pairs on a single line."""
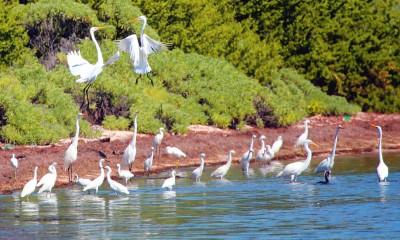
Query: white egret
{"points": [[196, 174], [221, 171], [72, 152], [82, 182], [177, 152], [114, 185], [124, 174], [247, 156], [157, 140], [327, 164], [260, 153], [138, 52], [96, 183], [303, 137], [149, 162], [129, 155], [30, 186], [88, 72], [382, 170], [48, 180], [14, 164], [295, 169], [170, 182], [276, 146], [267, 156]]}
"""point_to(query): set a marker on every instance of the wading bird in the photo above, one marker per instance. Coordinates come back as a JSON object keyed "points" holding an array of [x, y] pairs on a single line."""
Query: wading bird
{"points": [[295, 169], [170, 182], [327, 176], [382, 170], [129, 155], [221, 171], [14, 165], [149, 162], [246, 157], [96, 183], [114, 185], [176, 152], [72, 152], [326, 165], [88, 72], [196, 174], [48, 180], [303, 137], [139, 51], [157, 140], [276, 146], [30, 186], [124, 174], [260, 153]]}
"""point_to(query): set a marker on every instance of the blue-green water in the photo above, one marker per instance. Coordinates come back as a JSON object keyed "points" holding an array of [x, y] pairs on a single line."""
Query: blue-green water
{"points": [[261, 206]]}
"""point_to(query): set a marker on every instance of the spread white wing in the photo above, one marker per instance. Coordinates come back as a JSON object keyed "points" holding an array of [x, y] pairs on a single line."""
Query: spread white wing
{"points": [[151, 46], [79, 66], [130, 45]]}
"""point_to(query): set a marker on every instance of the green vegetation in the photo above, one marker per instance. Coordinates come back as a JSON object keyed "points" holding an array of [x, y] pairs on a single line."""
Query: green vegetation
{"points": [[265, 63]]}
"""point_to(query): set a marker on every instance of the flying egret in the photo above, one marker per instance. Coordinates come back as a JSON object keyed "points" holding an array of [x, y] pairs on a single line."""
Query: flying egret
{"points": [[260, 153], [48, 180], [129, 155], [72, 152], [382, 170], [246, 158], [82, 182], [96, 183], [276, 146], [295, 169], [221, 171], [177, 152], [327, 164], [88, 72], [30, 186], [124, 174], [149, 162], [14, 165], [303, 137], [157, 140], [138, 52], [196, 174], [114, 185], [170, 182]]}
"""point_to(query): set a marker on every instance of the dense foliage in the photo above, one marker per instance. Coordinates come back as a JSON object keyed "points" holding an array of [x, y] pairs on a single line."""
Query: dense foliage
{"points": [[224, 70]]}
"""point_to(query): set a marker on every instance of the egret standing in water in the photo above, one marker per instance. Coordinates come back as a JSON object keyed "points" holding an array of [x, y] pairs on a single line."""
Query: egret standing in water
{"points": [[326, 165], [124, 174], [48, 180], [72, 152], [82, 182], [129, 155], [196, 174], [30, 186], [223, 170], [96, 183], [247, 156], [149, 161], [382, 170], [88, 72], [260, 153], [295, 169], [116, 186], [303, 137], [170, 182], [14, 165], [139, 52], [177, 153]]}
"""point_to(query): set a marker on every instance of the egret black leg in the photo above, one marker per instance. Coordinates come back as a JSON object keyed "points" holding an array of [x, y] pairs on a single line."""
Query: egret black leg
{"points": [[85, 95], [137, 79], [152, 84]]}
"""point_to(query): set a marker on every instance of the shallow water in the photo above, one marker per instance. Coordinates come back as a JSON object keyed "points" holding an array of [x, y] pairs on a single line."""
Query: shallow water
{"points": [[354, 205]]}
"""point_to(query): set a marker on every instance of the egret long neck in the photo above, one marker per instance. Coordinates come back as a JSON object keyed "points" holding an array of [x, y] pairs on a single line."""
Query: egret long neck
{"points": [[99, 55], [35, 174], [251, 144], [380, 147], [229, 160], [201, 162], [309, 156], [334, 144], [142, 32], [133, 142], [75, 140], [262, 144], [151, 156], [101, 169], [306, 128], [109, 176]]}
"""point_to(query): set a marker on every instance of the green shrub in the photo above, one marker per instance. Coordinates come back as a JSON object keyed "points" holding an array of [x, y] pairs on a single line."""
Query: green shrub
{"points": [[113, 123]]}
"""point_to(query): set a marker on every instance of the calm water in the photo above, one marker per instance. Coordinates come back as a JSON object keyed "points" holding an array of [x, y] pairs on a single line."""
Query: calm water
{"points": [[353, 206]]}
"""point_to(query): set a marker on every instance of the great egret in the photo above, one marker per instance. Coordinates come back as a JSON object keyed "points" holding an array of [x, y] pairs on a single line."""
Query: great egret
{"points": [[267, 156], [82, 182], [246, 157], [221, 171], [96, 183], [177, 152], [124, 174], [260, 153], [170, 182], [48, 180], [72, 152], [14, 165], [327, 164], [138, 52], [382, 170], [149, 162], [30, 186], [129, 155], [157, 140], [303, 137], [114, 185], [276, 146], [295, 169], [88, 72], [196, 174]]}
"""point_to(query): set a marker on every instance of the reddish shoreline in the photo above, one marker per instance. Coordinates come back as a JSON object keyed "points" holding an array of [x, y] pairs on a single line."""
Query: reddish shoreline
{"points": [[356, 137]]}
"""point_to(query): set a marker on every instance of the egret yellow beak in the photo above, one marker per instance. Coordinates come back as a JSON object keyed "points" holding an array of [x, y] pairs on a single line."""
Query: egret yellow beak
{"points": [[314, 143], [373, 125], [134, 20]]}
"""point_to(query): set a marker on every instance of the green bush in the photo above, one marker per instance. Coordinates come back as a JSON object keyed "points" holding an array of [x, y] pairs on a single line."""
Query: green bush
{"points": [[113, 123]]}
